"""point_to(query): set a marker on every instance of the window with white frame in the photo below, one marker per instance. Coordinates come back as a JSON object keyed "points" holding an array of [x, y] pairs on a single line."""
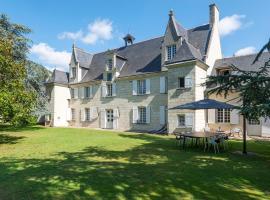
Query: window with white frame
{"points": [[253, 122], [73, 71], [142, 115], [73, 117], [109, 90], [171, 51], [223, 115], [141, 87], [110, 64], [87, 114], [87, 92], [72, 93], [181, 120]]}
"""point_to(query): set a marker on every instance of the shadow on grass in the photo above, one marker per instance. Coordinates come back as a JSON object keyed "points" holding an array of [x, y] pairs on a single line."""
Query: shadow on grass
{"points": [[9, 139], [9, 128], [154, 170]]}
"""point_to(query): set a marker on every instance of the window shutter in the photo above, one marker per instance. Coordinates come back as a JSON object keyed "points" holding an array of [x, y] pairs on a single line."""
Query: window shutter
{"points": [[189, 120], [188, 81], [135, 114], [82, 114], [211, 116], [82, 92], [162, 84], [134, 87], [93, 113], [115, 112], [76, 93], [148, 113], [114, 89], [147, 86], [104, 89], [103, 118], [234, 116], [68, 114], [162, 115], [91, 91], [115, 118]]}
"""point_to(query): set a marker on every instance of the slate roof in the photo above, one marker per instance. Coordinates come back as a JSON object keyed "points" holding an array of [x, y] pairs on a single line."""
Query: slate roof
{"points": [[84, 58], [59, 77], [145, 57], [243, 62], [141, 58], [186, 52]]}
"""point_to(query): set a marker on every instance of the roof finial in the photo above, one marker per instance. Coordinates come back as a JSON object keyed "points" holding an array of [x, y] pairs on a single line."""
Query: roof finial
{"points": [[171, 12]]}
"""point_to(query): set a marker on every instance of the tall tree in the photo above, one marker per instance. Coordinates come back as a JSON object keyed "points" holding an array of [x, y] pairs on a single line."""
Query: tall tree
{"points": [[253, 88], [16, 101]]}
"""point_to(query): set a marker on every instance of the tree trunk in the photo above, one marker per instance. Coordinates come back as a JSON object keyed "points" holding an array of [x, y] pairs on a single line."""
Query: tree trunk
{"points": [[244, 136]]}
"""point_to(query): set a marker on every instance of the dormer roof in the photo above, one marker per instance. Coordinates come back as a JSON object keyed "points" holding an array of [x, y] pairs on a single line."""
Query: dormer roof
{"points": [[186, 52], [82, 57]]}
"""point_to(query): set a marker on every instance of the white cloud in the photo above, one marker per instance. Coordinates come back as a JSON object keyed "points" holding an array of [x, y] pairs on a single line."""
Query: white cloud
{"points": [[229, 24], [99, 30], [245, 51], [70, 35], [48, 56]]}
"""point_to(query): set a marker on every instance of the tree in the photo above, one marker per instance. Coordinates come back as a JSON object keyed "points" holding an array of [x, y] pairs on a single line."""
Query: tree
{"points": [[36, 77], [15, 33], [253, 88], [16, 101]]}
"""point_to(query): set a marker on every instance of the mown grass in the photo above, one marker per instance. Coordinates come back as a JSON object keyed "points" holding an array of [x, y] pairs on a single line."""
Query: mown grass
{"points": [[61, 163]]}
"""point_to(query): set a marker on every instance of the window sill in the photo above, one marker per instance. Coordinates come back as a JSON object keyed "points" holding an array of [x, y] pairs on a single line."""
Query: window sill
{"points": [[184, 88], [141, 94], [110, 96]]}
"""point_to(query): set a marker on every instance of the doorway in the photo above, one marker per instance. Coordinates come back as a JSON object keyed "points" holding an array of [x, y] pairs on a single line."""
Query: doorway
{"points": [[109, 119]]}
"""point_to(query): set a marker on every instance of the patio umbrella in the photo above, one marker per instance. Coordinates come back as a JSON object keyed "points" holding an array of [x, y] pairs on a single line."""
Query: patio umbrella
{"points": [[205, 104]]}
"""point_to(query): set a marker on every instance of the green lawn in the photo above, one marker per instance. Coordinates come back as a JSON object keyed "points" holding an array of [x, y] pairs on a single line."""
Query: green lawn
{"points": [[60, 163]]}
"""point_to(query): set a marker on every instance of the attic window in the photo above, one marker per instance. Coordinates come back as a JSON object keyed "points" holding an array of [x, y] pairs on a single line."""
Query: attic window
{"points": [[223, 72], [171, 51], [73, 72], [110, 64]]}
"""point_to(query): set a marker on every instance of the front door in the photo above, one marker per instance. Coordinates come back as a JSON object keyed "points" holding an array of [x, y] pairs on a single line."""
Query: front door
{"points": [[109, 118]]}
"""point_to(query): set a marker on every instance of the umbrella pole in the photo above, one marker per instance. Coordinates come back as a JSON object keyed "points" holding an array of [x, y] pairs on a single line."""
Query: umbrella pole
{"points": [[244, 135]]}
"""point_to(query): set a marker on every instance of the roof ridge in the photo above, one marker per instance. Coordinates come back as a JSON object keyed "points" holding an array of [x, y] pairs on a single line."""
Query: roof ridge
{"points": [[82, 50], [130, 45], [253, 54]]}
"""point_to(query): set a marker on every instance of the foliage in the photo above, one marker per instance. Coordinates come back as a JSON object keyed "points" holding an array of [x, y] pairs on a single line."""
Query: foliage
{"points": [[15, 33], [16, 101], [61, 163], [253, 88], [36, 77]]}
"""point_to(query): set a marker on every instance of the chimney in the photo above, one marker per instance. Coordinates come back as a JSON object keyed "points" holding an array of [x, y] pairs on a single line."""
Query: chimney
{"points": [[214, 15]]}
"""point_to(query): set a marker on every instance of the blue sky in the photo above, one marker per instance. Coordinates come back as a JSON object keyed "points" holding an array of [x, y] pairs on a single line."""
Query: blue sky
{"points": [[98, 25]]}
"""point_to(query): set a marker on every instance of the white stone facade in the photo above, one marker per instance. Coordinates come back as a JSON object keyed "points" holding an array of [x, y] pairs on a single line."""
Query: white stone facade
{"points": [[126, 109]]}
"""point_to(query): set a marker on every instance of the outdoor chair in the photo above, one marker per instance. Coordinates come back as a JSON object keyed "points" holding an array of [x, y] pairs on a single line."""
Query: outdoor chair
{"points": [[236, 130], [223, 140], [178, 135], [212, 141]]}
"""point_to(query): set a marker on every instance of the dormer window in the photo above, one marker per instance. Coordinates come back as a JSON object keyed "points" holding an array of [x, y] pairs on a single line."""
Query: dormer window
{"points": [[171, 51], [73, 71], [110, 64], [224, 72], [109, 76]]}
